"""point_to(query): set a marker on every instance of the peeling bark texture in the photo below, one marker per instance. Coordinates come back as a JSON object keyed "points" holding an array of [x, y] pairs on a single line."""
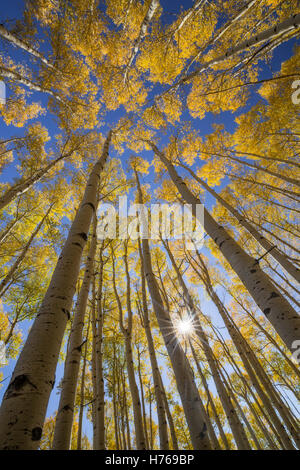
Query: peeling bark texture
{"points": [[13, 39], [275, 307], [25, 401], [143, 31], [264, 243], [186, 386], [64, 417]]}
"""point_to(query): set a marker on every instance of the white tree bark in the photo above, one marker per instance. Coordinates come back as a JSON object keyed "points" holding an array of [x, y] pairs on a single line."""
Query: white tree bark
{"points": [[25, 402], [269, 34], [127, 333], [142, 33], [23, 185], [13, 39], [277, 255], [246, 356], [17, 77], [65, 413], [186, 386], [236, 426], [99, 441], [161, 415], [223, 30]]}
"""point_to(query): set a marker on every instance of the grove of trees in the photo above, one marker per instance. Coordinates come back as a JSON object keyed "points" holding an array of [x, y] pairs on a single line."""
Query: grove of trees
{"points": [[157, 343]]}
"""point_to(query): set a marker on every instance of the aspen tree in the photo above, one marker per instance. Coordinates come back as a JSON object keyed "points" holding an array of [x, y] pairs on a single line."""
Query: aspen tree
{"points": [[269, 35], [99, 416], [82, 387], [22, 186], [143, 31], [13, 39], [65, 413]]}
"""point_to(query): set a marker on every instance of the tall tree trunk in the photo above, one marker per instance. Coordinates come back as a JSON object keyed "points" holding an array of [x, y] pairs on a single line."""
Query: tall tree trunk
{"points": [[231, 391], [264, 243], [150, 418], [99, 443], [186, 386], [275, 307], [64, 417], [232, 417], [222, 31], [169, 416], [142, 33], [136, 404], [212, 404], [261, 425], [211, 431], [5, 233], [245, 353], [269, 35], [121, 392], [115, 403], [126, 412], [82, 388], [93, 362], [25, 402], [160, 408], [18, 78], [143, 400]]}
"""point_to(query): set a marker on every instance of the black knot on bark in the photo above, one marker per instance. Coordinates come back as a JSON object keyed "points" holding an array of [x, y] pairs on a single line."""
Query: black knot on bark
{"points": [[67, 313], [203, 432], [67, 408], [273, 295], [90, 204], [36, 434], [17, 384], [83, 235], [77, 244]]}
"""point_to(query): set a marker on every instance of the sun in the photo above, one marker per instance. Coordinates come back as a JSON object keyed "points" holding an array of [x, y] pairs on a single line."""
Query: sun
{"points": [[185, 326]]}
